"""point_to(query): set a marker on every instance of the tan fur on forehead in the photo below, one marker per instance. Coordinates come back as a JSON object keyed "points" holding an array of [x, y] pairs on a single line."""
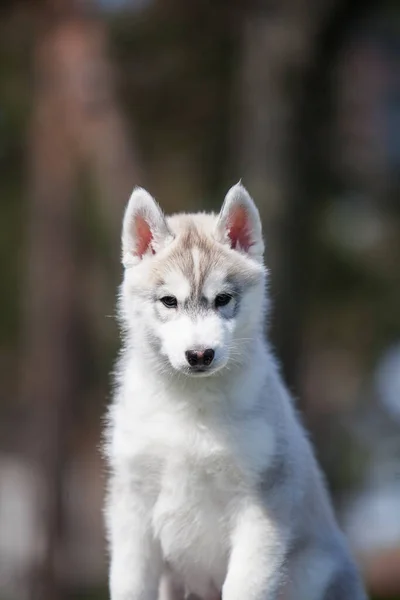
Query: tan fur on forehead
{"points": [[195, 253]]}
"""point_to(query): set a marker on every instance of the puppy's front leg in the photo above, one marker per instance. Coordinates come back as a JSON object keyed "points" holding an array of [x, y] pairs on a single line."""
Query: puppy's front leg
{"points": [[256, 565], [136, 563]]}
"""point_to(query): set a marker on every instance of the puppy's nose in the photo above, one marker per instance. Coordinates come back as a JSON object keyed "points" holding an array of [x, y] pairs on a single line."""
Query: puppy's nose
{"points": [[200, 358]]}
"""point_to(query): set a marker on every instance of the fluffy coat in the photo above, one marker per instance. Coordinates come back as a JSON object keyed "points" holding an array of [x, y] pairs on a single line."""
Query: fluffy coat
{"points": [[213, 488]]}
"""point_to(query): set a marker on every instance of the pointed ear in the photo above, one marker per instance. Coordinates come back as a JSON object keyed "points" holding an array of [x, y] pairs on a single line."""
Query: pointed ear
{"points": [[144, 229], [239, 223]]}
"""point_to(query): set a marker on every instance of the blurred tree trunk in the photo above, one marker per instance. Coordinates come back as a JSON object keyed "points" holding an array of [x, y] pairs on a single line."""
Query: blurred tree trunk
{"points": [[98, 124], [49, 368], [279, 43], [75, 123]]}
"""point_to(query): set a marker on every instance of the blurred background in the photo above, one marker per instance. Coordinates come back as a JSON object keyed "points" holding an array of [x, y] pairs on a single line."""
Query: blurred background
{"points": [[299, 98]]}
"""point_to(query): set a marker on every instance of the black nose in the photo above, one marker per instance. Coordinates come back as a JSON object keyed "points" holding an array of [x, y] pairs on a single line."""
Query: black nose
{"points": [[200, 358]]}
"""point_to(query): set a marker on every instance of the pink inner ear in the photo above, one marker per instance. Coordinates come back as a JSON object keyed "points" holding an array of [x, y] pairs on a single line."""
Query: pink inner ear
{"points": [[143, 236], [239, 229]]}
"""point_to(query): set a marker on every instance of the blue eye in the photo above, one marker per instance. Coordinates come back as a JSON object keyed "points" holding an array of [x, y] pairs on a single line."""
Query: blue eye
{"points": [[222, 300], [169, 301]]}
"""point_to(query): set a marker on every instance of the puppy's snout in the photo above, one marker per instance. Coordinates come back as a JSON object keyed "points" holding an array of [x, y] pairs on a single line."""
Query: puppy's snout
{"points": [[200, 358]]}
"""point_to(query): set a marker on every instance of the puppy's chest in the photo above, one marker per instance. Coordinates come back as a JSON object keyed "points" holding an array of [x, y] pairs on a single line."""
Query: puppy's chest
{"points": [[198, 486], [197, 477], [194, 477]]}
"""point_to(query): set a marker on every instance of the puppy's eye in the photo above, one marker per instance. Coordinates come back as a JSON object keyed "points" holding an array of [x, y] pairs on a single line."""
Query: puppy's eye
{"points": [[222, 300], [169, 301]]}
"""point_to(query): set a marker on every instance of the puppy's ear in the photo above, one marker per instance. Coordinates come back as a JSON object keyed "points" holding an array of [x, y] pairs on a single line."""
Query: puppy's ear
{"points": [[239, 223], [144, 229]]}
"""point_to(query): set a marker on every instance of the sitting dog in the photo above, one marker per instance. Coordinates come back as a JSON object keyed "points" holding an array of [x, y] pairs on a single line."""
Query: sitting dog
{"points": [[214, 488]]}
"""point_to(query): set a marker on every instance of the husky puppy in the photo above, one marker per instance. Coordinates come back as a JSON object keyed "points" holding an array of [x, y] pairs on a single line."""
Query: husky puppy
{"points": [[214, 489]]}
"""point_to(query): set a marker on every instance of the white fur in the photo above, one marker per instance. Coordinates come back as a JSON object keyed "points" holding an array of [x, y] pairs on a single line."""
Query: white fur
{"points": [[212, 477]]}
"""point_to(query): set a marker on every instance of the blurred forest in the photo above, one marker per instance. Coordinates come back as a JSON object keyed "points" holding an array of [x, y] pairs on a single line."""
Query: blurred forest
{"points": [[300, 99]]}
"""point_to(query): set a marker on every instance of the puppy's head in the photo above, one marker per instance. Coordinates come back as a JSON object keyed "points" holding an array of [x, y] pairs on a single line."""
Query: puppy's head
{"points": [[193, 286]]}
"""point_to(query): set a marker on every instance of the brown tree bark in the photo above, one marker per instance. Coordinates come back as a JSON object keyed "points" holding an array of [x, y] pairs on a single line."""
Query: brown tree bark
{"points": [[97, 123]]}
